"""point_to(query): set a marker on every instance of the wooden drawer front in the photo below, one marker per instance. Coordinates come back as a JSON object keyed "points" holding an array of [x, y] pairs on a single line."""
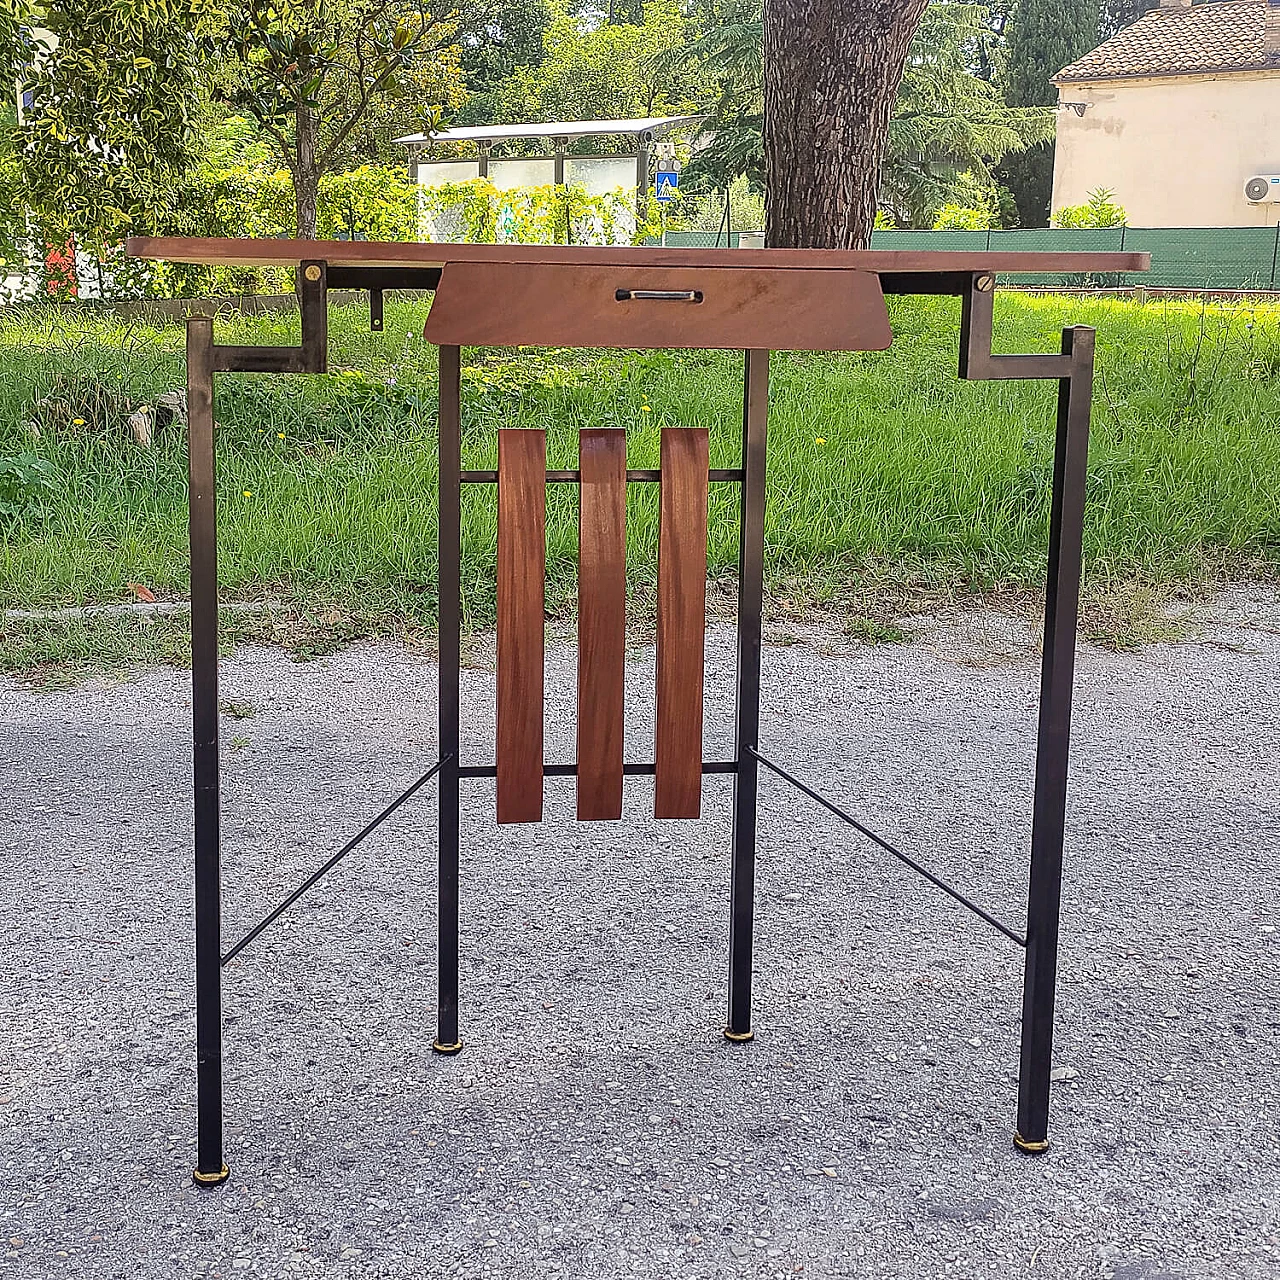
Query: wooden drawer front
{"points": [[507, 304]]}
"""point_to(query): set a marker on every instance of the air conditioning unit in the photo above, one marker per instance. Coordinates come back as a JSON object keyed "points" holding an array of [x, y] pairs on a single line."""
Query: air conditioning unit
{"points": [[1263, 189]]}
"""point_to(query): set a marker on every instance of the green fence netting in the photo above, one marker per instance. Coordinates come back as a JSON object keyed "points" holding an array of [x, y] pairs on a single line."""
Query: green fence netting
{"points": [[1181, 257], [699, 240], [1212, 258]]}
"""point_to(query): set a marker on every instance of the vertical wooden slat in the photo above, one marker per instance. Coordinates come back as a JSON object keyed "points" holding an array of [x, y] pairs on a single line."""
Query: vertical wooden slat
{"points": [[682, 622], [522, 566], [602, 624]]}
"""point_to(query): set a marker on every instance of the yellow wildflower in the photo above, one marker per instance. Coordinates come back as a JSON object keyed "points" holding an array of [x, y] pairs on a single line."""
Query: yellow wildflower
{"points": [[248, 493], [819, 439], [77, 422]]}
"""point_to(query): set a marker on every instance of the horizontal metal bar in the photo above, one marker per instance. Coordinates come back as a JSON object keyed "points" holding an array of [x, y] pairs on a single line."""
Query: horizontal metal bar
{"points": [[997, 368], [333, 862], [715, 475], [259, 360], [424, 163], [571, 770], [924, 282], [888, 848], [388, 278]]}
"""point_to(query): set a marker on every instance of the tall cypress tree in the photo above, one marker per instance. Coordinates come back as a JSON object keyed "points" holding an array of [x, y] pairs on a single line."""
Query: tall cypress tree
{"points": [[1043, 37]]}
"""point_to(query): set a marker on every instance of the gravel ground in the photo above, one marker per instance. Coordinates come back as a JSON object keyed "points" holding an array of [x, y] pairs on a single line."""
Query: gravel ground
{"points": [[596, 1125]]}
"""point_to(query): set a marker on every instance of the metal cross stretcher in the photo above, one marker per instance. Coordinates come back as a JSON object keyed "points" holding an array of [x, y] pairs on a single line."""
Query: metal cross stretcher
{"points": [[768, 300]]}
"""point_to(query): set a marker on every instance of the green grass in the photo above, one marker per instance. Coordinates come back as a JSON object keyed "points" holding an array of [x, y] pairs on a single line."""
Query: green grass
{"points": [[884, 468]]}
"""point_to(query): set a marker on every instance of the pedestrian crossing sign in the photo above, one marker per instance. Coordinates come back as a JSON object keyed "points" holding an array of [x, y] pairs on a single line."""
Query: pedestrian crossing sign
{"points": [[665, 185]]}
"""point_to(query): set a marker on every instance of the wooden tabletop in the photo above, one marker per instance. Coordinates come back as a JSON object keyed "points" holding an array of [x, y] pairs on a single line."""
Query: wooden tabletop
{"points": [[375, 253]]}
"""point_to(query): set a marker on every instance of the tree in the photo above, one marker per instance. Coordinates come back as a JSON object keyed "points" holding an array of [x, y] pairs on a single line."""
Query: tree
{"points": [[1118, 14], [831, 76], [950, 125], [109, 90], [609, 71], [730, 61], [990, 59], [311, 71], [435, 81], [13, 231], [1043, 37], [497, 39]]}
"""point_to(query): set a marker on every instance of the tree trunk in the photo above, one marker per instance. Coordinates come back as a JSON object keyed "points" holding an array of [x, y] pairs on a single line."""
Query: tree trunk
{"points": [[306, 194], [306, 175], [831, 75]]}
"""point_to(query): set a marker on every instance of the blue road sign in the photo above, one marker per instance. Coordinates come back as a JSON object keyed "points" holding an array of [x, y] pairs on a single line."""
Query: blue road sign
{"points": [[665, 185]]}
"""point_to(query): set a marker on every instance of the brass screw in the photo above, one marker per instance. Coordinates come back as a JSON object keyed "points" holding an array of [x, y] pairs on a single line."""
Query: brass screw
{"points": [[313, 274], [985, 284]]}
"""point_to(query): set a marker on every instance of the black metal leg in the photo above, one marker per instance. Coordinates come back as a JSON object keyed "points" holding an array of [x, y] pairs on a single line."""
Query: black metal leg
{"points": [[210, 1169], [450, 624], [750, 601], [1053, 743]]}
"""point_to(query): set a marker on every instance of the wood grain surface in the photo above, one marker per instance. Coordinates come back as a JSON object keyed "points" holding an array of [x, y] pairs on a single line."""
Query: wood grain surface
{"points": [[602, 621], [682, 621], [522, 568], [381, 253], [509, 304]]}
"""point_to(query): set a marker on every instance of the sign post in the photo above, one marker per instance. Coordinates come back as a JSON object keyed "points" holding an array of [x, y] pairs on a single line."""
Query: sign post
{"points": [[666, 183]]}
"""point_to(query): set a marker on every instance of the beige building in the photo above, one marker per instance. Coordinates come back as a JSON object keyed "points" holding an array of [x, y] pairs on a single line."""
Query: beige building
{"points": [[1176, 113]]}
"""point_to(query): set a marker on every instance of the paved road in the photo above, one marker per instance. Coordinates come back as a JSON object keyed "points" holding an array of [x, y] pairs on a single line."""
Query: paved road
{"points": [[596, 1126]]}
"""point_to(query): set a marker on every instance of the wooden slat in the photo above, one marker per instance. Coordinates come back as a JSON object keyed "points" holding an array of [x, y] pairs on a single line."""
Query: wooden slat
{"points": [[382, 253], [602, 621], [682, 622], [522, 567]]}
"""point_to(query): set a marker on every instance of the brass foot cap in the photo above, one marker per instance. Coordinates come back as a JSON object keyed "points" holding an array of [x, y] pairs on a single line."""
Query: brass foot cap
{"points": [[1030, 1148], [739, 1037], [210, 1179], [447, 1049]]}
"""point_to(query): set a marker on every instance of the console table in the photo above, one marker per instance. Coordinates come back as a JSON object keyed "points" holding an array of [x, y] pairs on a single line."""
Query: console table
{"points": [[755, 301]]}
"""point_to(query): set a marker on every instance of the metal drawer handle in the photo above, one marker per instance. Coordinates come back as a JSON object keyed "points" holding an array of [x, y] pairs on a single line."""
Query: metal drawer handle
{"points": [[659, 295]]}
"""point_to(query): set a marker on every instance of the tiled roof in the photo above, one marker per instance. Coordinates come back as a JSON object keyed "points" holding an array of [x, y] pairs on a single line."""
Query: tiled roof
{"points": [[1229, 36]]}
